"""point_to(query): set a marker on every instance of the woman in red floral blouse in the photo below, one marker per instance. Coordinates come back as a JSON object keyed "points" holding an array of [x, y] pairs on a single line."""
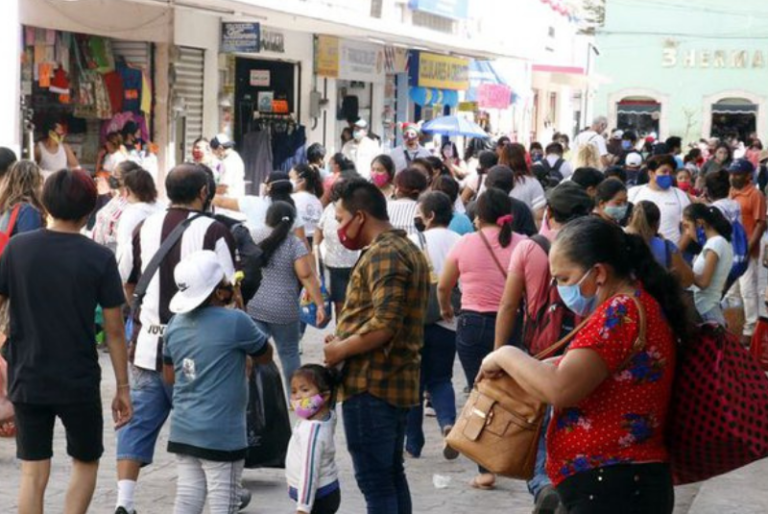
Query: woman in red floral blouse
{"points": [[610, 392]]}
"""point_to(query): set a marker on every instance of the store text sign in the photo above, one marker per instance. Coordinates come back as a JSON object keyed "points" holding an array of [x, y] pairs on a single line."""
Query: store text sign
{"points": [[442, 72], [493, 96], [737, 59], [240, 37], [362, 62], [327, 56]]}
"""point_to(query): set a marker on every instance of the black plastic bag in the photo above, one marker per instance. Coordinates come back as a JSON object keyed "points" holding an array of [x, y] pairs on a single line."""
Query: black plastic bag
{"points": [[268, 425]]}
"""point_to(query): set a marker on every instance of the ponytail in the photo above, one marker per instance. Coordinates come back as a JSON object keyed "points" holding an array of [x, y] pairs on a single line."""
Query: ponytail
{"points": [[312, 178], [280, 217], [710, 215], [592, 240], [494, 208], [645, 220]]}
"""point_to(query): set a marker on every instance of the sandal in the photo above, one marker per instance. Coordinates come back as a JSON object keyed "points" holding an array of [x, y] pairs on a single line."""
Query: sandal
{"points": [[8, 429], [479, 483]]}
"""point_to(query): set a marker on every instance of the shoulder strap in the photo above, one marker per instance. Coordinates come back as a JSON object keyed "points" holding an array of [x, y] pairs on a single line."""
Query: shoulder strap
{"points": [[542, 241], [157, 259], [12, 221], [495, 259], [558, 163], [637, 347]]}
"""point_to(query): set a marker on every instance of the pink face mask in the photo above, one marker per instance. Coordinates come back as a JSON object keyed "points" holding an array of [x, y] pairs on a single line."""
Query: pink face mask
{"points": [[306, 408], [380, 179]]}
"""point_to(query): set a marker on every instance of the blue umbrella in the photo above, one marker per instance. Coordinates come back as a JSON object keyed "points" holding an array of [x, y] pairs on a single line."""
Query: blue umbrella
{"points": [[454, 126]]}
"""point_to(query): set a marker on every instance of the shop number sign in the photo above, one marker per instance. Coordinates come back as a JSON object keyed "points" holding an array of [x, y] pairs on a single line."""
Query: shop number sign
{"points": [[240, 37], [260, 78]]}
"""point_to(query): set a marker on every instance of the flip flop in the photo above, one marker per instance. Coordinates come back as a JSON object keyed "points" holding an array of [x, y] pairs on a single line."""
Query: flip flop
{"points": [[475, 483], [8, 429]]}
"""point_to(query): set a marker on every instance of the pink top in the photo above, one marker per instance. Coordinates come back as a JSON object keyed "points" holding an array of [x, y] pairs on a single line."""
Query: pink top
{"points": [[482, 283], [530, 263]]}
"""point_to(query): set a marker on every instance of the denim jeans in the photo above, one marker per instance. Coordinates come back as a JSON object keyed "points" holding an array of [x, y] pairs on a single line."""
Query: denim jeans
{"points": [[286, 339], [475, 335], [375, 433], [540, 478], [437, 356]]}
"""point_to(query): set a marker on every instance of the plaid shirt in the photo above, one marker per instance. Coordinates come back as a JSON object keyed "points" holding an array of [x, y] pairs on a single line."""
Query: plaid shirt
{"points": [[389, 289]]}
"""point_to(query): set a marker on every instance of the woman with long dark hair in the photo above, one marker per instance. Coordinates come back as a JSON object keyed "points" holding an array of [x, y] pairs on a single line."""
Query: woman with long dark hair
{"points": [[307, 192], [409, 184], [527, 188], [611, 201], [383, 174], [287, 265], [720, 160], [605, 445]]}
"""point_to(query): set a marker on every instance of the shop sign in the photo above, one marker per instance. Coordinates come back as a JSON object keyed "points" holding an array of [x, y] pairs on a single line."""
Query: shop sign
{"points": [[467, 106], [673, 57], [240, 37], [439, 71], [361, 62], [455, 9], [272, 41], [327, 56], [493, 96], [260, 78]]}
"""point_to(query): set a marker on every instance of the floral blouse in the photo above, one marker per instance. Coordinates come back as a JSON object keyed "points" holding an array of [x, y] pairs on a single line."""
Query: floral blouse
{"points": [[623, 420]]}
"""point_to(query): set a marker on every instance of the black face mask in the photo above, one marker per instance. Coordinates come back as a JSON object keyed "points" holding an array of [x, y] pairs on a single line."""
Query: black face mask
{"points": [[114, 183], [419, 224]]}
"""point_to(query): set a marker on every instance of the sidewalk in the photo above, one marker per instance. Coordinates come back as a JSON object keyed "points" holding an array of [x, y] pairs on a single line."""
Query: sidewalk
{"points": [[741, 492]]}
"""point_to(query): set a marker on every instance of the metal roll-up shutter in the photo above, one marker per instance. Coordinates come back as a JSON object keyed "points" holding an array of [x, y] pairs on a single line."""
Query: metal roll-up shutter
{"points": [[135, 53], [189, 85]]}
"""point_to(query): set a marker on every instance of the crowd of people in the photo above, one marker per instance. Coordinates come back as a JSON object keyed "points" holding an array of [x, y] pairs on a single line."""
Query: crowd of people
{"points": [[421, 258]]}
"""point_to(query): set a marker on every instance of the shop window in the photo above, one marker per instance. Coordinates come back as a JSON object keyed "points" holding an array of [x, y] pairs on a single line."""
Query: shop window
{"points": [[639, 114], [431, 21], [734, 116], [376, 8]]}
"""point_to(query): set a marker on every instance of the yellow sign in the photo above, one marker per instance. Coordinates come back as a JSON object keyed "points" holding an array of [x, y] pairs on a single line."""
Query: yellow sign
{"points": [[327, 56], [467, 106], [443, 72]]}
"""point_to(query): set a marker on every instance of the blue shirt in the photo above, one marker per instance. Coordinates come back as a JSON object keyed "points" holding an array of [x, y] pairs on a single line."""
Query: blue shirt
{"points": [[461, 224], [207, 348]]}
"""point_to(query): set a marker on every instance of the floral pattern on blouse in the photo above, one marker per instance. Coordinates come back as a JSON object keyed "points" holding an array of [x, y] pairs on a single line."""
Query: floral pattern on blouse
{"points": [[646, 366], [571, 419], [639, 428], [581, 463]]}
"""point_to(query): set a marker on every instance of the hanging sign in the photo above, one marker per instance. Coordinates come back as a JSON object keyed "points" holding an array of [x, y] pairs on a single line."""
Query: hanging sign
{"points": [[493, 96], [327, 56], [260, 78], [467, 106], [439, 71], [272, 41], [362, 62], [240, 37]]}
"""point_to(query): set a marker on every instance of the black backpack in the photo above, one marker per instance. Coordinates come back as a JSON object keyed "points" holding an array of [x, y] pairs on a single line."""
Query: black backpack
{"points": [[548, 175], [249, 256]]}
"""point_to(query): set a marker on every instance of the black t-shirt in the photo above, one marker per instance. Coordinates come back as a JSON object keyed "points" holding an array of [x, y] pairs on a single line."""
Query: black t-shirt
{"points": [[54, 282]]}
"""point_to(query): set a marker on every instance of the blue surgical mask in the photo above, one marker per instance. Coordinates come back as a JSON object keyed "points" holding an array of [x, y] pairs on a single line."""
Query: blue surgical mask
{"points": [[701, 236], [616, 212], [664, 181], [626, 145], [574, 300]]}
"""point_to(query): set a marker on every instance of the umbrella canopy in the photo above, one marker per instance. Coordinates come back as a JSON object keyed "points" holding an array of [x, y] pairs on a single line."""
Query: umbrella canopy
{"points": [[454, 126]]}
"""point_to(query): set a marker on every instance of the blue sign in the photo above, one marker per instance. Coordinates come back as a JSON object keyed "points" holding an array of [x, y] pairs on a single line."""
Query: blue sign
{"points": [[240, 37], [456, 9]]}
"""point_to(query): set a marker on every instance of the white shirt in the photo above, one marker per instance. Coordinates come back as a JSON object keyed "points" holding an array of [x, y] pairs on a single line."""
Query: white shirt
{"points": [[308, 209], [52, 162], [709, 298], [671, 204], [566, 170], [590, 137], [132, 215], [333, 252], [440, 241], [403, 161], [529, 191], [731, 209], [310, 463], [255, 210], [111, 160], [362, 154], [233, 174], [402, 213]]}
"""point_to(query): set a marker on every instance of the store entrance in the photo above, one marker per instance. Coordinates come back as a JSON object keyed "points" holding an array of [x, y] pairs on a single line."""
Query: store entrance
{"points": [[640, 115], [734, 116]]}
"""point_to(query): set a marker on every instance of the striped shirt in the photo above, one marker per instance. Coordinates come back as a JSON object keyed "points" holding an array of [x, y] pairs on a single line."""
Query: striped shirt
{"points": [[204, 233], [401, 214], [310, 465]]}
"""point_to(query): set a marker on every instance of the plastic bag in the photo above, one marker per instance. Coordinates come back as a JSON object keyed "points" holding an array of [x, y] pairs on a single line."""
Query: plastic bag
{"points": [[308, 310], [268, 425]]}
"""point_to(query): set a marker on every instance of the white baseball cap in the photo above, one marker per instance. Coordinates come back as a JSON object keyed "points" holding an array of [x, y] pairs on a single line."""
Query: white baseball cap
{"points": [[617, 134], [222, 140], [196, 276], [634, 159], [361, 123]]}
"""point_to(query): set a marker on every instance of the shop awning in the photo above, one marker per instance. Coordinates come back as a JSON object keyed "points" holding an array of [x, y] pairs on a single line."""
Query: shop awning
{"points": [[428, 96], [638, 108], [722, 108]]}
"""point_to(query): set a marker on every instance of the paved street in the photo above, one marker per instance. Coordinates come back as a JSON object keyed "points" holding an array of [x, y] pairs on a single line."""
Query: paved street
{"points": [[741, 492]]}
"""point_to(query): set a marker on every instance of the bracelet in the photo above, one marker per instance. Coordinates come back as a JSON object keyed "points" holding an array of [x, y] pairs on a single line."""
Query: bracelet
{"points": [[123, 386]]}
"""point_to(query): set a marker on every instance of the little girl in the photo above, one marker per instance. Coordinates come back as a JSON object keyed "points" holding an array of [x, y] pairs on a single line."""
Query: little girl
{"points": [[310, 466]]}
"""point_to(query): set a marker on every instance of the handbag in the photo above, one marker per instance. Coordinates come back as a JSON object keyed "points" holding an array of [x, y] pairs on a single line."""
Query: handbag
{"points": [[433, 305], [501, 423], [717, 421], [268, 426]]}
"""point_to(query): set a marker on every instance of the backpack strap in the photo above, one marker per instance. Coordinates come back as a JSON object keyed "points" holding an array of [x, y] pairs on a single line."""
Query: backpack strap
{"points": [[542, 241], [558, 163], [12, 222]]}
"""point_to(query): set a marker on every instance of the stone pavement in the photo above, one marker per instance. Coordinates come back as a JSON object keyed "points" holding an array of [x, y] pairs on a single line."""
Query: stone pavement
{"points": [[742, 492]]}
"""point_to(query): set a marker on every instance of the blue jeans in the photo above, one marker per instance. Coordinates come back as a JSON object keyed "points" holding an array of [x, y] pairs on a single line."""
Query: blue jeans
{"points": [[152, 402], [286, 339], [375, 433], [475, 335], [540, 479], [437, 356]]}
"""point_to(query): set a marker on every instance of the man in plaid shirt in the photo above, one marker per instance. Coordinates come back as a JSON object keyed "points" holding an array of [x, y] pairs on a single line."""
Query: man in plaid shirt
{"points": [[379, 337]]}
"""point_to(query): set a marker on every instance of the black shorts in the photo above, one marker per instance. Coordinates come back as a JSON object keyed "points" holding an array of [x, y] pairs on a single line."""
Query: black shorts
{"points": [[83, 422], [338, 284]]}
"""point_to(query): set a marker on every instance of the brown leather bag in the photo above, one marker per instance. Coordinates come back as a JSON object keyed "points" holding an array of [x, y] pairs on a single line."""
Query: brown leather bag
{"points": [[500, 425]]}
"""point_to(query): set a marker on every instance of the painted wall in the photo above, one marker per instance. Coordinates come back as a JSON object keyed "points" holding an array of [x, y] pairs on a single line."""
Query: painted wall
{"points": [[10, 40], [686, 58]]}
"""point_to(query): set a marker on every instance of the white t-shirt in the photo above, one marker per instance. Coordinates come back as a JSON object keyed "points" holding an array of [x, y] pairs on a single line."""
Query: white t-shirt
{"points": [[671, 204], [566, 170], [132, 215], [255, 210], [709, 298], [731, 209], [590, 137], [333, 252], [233, 175], [530, 192], [308, 209], [440, 241]]}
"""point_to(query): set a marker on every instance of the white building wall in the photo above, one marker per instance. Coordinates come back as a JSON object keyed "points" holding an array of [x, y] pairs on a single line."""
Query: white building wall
{"points": [[10, 42]]}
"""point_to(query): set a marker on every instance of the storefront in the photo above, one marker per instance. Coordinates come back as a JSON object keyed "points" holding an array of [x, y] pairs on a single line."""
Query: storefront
{"points": [[437, 83]]}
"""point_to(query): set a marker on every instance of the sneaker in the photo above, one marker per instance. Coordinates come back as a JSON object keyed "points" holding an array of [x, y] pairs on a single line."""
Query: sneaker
{"points": [[245, 498], [448, 452], [121, 510], [429, 411], [548, 501]]}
